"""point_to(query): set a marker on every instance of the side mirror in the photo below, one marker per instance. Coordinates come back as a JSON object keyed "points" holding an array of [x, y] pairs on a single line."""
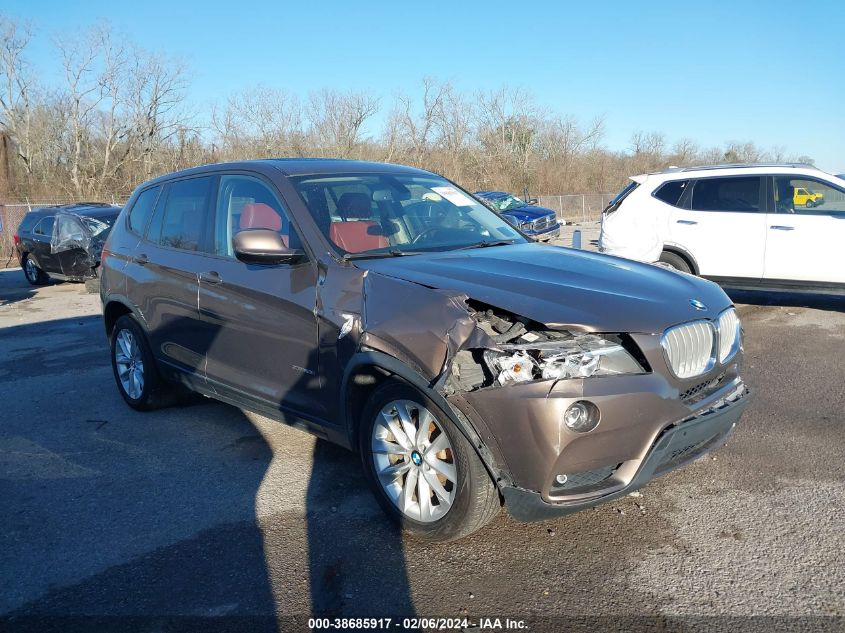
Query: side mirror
{"points": [[532, 201], [263, 246]]}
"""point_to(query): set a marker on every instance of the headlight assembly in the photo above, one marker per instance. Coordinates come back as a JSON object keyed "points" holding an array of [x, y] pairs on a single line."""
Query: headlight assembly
{"points": [[566, 356]]}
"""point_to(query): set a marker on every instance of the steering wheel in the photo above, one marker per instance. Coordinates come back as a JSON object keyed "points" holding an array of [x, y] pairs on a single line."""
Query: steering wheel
{"points": [[425, 232]]}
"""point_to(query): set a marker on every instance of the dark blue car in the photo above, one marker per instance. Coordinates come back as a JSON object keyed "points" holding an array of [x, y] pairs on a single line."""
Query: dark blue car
{"points": [[538, 222]]}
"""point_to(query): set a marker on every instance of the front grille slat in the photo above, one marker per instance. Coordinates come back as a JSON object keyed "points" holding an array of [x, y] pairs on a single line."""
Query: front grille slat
{"points": [[689, 348], [728, 334]]}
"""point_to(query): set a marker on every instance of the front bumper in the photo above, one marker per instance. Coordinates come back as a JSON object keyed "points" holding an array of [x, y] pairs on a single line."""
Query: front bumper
{"points": [[677, 445], [546, 234]]}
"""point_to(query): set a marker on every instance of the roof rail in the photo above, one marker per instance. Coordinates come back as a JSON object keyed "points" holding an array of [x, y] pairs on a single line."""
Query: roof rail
{"points": [[742, 166], [85, 204]]}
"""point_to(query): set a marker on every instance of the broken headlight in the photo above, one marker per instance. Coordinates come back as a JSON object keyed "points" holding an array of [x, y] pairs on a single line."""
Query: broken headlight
{"points": [[561, 355]]}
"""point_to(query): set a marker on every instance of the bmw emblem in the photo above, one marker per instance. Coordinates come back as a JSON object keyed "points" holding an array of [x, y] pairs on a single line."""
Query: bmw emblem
{"points": [[416, 457], [695, 303]]}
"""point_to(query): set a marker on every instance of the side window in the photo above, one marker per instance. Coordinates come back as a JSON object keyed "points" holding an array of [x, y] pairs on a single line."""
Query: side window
{"points": [[671, 192], [245, 202], [45, 227], [807, 196], [141, 211], [182, 218], [727, 194]]}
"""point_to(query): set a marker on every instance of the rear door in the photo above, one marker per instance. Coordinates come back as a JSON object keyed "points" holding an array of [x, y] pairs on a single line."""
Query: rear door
{"points": [[721, 222], [805, 232], [265, 341], [164, 270], [41, 236]]}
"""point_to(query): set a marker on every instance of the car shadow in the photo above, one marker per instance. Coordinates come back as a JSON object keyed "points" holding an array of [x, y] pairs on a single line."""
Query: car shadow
{"points": [[180, 518], [356, 555], [14, 287], [835, 303], [115, 519]]}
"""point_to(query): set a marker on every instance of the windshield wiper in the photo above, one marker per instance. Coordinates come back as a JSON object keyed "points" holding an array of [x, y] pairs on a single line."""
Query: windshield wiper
{"points": [[485, 244], [365, 255]]}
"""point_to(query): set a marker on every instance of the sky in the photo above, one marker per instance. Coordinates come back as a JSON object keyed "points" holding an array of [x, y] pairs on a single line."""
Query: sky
{"points": [[714, 72]]}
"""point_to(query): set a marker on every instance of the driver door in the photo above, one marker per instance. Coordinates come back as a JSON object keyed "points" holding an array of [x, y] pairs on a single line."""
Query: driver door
{"points": [[264, 343], [805, 233]]}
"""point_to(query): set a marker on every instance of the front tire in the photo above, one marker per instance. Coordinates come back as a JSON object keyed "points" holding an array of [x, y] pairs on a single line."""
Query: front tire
{"points": [[810, 204], [423, 471], [33, 273], [134, 367], [675, 261]]}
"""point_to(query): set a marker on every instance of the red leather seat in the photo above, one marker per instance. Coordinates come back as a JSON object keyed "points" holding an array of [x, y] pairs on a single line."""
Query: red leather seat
{"points": [[356, 235], [257, 215]]}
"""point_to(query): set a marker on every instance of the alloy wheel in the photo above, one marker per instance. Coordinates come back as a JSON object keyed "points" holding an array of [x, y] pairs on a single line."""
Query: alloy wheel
{"points": [[414, 461], [130, 364], [31, 270]]}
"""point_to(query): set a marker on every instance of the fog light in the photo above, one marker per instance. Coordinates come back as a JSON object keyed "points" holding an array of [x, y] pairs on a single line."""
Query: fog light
{"points": [[581, 416], [561, 479]]}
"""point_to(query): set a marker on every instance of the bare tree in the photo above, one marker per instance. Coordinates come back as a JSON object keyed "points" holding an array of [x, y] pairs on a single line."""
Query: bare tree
{"points": [[336, 120], [419, 126], [120, 115], [260, 122], [156, 105], [18, 86]]}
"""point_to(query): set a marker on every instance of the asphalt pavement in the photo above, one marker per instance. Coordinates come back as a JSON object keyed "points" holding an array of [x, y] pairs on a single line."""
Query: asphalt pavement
{"points": [[206, 516]]}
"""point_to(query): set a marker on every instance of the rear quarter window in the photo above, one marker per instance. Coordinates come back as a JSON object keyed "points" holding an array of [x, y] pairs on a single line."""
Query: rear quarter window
{"points": [[28, 223], [620, 197], [141, 211]]}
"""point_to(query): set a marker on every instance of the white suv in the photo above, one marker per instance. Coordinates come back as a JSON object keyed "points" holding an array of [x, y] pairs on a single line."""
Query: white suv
{"points": [[773, 225]]}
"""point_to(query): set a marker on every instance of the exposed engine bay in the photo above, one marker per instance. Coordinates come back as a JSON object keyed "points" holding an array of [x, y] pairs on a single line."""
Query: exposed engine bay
{"points": [[525, 351]]}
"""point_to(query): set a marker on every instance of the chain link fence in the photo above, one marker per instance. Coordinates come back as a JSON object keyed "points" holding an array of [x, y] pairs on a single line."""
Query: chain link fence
{"points": [[577, 208]]}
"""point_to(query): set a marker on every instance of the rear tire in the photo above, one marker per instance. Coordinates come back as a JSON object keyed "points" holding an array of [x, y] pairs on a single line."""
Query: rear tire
{"points": [[673, 260], [135, 370], [454, 508], [33, 273]]}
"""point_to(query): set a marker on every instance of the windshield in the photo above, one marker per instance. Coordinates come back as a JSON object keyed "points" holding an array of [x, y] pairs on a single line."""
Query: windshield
{"points": [[399, 214], [508, 202]]}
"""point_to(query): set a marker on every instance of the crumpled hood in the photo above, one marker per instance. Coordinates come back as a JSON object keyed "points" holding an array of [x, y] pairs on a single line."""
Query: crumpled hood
{"points": [[562, 287], [526, 213]]}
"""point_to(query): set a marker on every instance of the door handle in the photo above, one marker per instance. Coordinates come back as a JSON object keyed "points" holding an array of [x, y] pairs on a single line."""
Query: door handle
{"points": [[141, 260], [687, 222], [780, 227], [211, 277]]}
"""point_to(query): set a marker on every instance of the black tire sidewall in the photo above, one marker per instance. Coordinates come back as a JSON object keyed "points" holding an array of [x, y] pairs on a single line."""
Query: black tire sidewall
{"points": [[40, 276], [452, 523], [675, 261]]}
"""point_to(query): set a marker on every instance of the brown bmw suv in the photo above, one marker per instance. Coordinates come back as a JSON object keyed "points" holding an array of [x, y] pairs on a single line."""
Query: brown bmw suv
{"points": [[385, 309]]}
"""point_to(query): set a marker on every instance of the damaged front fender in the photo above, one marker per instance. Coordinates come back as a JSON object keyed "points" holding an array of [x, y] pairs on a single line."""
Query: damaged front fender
{"points": [[423, 326]]}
